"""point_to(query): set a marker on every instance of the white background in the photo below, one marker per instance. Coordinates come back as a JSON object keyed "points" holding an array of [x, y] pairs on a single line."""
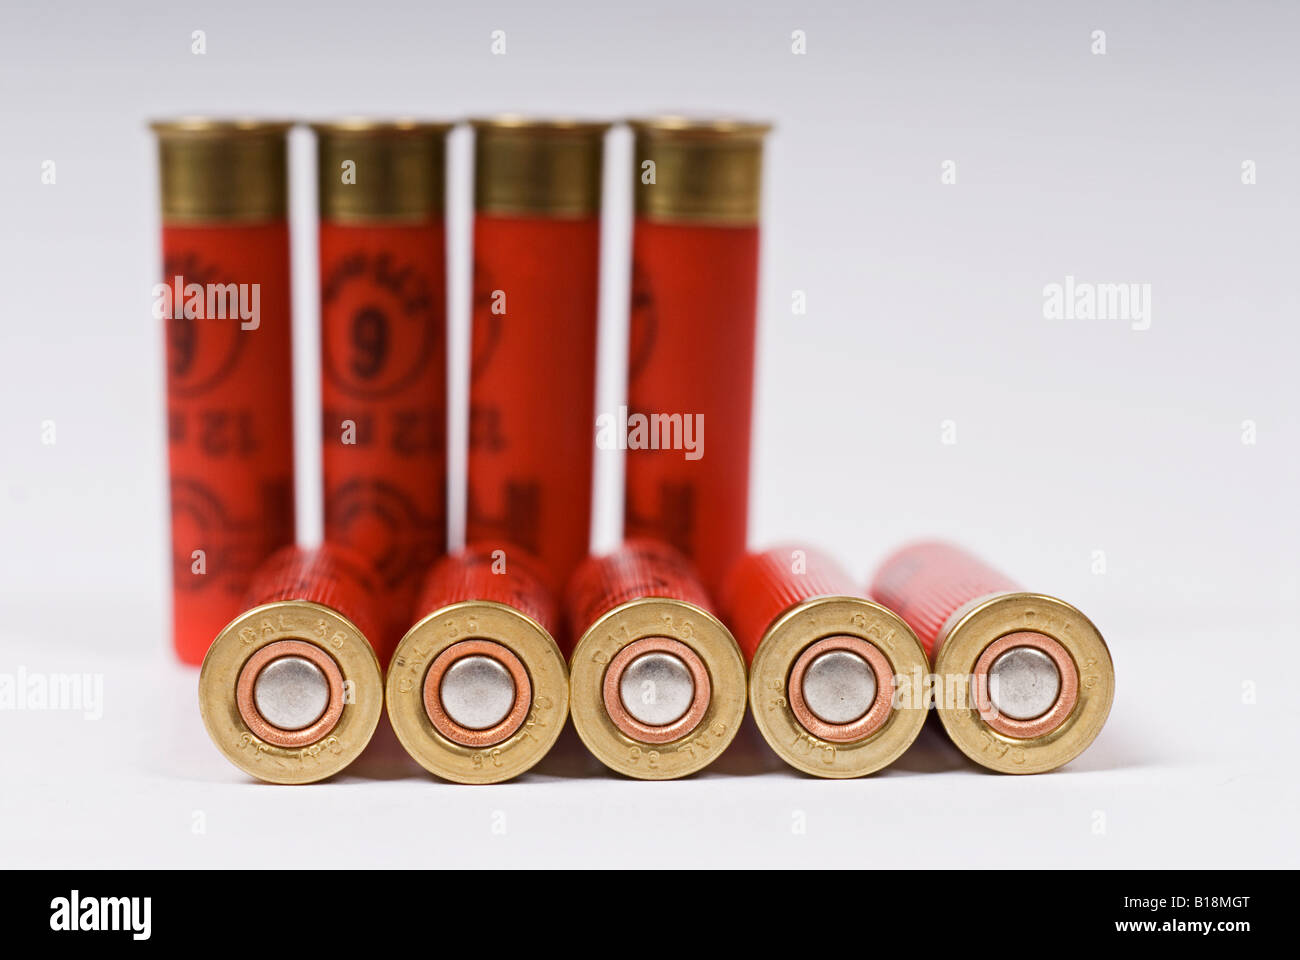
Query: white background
{"points": [[925, 304]]}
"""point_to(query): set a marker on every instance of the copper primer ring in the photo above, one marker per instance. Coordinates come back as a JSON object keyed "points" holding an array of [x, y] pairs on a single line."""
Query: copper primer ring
{"points": [[629, 724], [248, 708], [452, 730], [1055, 715], [876, 714]]}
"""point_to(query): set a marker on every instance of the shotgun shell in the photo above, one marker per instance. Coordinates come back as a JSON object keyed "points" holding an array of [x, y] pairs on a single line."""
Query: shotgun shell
{"points": [[383, 352], [691, 343], [478, 691], [836, 682], [658, 683], [291, 690], [1023, 682], [224, 301], [533, 343]]}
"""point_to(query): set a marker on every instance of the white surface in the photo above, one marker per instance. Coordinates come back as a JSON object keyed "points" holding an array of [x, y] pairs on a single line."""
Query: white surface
{"points": [[925, 305]]}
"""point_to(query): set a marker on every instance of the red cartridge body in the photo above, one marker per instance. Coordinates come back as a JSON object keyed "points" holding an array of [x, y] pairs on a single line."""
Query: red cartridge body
{"points": [[225, 301], [641, 568], [329, 575], [836, 682], [478, 691], [926, 583], [494, 574], [291, 690], [1023, 681], [764, 585], [383, 352], [533, 343], [657, 682], [691, 347]]}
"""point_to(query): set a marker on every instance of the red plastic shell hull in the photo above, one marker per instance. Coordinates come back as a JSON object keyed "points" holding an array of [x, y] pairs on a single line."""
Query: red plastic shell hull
{"points": [[691, 353], [926, 583], [763, 585], [489, 573], [333, 576], [533, 387], [383, 400], [638, 569], [229, 423]]}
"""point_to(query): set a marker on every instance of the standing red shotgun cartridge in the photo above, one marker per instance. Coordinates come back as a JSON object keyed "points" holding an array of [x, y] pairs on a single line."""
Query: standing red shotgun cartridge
{"points": [[478, 691], [657, 682], [836, 682], [383, 352], [290, 690], [691, 345], [225, 302], [1023, 681], [533, 345]]}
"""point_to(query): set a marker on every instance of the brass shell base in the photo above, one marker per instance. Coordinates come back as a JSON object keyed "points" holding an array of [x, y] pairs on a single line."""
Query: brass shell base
{"points": [[965, 637], [521, 635], [337, 637], [676, 620], [792, 633]]}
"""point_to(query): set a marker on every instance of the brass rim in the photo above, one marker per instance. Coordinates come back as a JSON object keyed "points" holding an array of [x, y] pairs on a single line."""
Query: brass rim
{"points": [[530, 167], [215, 170], [706, 172], [271, 623], [376, 126], [198, 126], [819, 619], [521, 635], [681, 126], [973, 630], [686, 623], [398, 172], [559, 126]]}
